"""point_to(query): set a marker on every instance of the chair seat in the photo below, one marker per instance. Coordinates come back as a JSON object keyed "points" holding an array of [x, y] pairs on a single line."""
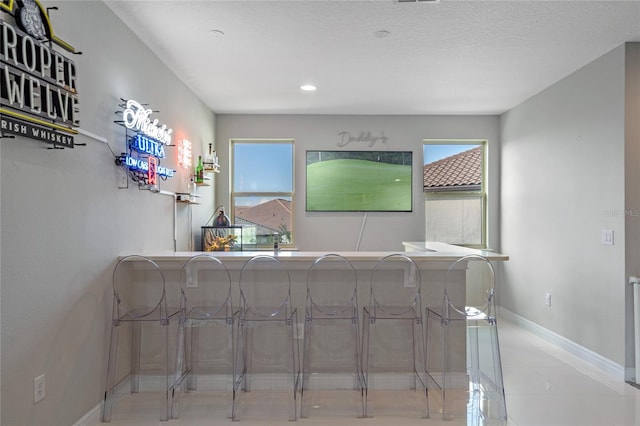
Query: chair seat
{"points": [[471, 313], [143, 314], [476, 314], [331, 312], [208, 313], [266, 314], [393, 312]]}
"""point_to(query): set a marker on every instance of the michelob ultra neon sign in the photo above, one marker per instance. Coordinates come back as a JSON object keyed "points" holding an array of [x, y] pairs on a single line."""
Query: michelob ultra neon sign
{"points": [[147, 145]]}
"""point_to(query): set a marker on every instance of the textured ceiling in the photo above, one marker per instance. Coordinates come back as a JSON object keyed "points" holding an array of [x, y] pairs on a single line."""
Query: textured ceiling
{"points": [[451, 57]]}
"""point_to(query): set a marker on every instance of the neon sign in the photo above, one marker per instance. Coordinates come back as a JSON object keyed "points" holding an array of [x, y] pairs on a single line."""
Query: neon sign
{"points": [[136, 117], [139, 164], [185, 159], [153, 171], [149, 146], [146, 146]]}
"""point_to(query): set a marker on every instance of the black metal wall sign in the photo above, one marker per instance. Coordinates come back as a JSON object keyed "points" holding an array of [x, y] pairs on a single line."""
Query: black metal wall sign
{"points": [[23, 128], [37, 82]]}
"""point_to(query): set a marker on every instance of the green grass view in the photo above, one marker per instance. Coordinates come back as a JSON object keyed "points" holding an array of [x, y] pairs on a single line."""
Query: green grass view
{"points": [[358, 185]]}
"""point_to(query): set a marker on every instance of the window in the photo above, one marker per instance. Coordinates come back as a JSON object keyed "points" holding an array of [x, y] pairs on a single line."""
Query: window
{"points": [[454, 191], [262, 190]]}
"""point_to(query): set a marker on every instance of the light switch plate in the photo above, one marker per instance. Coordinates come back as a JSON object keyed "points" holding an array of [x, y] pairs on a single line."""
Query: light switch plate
{"points": [[38, 389], [607, 237]]}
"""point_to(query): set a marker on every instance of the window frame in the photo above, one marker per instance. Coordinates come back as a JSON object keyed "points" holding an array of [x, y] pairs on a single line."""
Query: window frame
{"points": [[233, 194], [482, 194]]}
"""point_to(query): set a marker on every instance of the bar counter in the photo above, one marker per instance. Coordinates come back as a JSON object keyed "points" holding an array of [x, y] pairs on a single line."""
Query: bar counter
{"points": [[432, 258]]}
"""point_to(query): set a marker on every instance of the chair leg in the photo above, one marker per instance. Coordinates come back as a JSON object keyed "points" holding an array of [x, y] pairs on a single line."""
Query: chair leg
{"points": [[230, 342], [136, 341], [420, 363], [446, 376], [179, 373], [497, 366], [193, 347], [165, 408], [357, 362], [306, 367], [240, 370], [294, 373], [366, 346], [111, 374], [430, 374]]}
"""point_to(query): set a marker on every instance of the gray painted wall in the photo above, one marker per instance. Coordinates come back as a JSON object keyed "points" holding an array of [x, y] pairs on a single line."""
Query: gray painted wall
{"points": [[562, 182], [632, 194], [340, 231], [64, 221]]}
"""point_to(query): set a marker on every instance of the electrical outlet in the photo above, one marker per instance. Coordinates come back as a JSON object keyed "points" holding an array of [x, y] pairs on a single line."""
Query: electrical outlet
{"points": [[123, 181], [547, 298], [38, 389]]}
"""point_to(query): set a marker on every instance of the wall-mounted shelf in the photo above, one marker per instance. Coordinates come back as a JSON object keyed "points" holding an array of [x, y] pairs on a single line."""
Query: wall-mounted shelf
{"points": [[204, 182], [186, 198], [211, 167]]}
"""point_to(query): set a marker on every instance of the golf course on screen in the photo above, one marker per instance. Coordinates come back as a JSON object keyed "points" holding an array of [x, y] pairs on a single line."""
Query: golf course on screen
{"points": [[371, 181]]}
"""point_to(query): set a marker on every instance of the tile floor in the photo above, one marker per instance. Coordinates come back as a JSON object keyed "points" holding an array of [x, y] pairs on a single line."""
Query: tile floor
{"points": [[545, 386]]}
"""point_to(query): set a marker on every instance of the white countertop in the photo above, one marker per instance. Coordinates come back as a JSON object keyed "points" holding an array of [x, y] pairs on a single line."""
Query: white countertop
{"points": [[417, 250], [442, 250]]}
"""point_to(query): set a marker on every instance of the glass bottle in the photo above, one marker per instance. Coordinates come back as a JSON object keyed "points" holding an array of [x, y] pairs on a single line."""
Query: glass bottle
{"points": [[199, 171], [209, 158]]}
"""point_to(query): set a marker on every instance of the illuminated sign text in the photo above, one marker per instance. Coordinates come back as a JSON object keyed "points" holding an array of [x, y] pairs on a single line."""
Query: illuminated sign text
{"points": [[136, 117], [149, 146], [185, 159], [143, 166]]}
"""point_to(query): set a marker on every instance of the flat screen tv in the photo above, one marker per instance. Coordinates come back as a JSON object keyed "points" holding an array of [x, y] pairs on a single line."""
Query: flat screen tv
{"points": [[359, 181]]}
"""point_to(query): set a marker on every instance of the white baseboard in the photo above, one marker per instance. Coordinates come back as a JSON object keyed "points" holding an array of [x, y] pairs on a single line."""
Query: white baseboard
{"points": [[92, 418], [587, 355]]}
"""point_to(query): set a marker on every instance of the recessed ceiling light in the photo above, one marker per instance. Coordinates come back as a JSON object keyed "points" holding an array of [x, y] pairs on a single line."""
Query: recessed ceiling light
{"points": [[308, 87]]}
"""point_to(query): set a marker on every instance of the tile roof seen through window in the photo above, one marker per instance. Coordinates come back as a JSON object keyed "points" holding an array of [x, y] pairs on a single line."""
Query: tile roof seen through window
{"points": [[459, 172], [271, 215]]}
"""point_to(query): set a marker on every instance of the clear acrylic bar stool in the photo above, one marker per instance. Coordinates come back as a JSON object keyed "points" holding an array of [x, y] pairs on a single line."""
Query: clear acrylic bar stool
{"points": [[139, 309], [331, 332], [395, 301], [471, 386], [205, 331], [266, 344]]}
